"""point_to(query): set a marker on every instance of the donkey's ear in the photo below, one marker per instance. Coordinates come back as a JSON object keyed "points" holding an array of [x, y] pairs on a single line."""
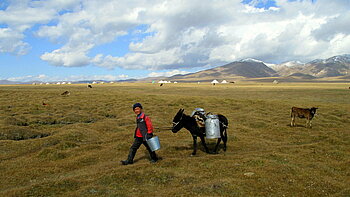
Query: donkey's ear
{"points": [[182, 111]]}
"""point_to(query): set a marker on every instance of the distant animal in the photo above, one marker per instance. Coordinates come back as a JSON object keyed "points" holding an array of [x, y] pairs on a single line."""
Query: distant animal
{"points": [[45, 104], [303, 113], [89, 86], [182, 120], [66, 93], [161, 84]]}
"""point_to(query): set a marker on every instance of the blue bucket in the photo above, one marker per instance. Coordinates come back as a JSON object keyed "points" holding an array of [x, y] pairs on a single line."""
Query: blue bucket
{"points": [[153, 143]]}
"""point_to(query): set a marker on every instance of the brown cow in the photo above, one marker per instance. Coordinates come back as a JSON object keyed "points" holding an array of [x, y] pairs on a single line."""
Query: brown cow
{"points": [[302, 113]]}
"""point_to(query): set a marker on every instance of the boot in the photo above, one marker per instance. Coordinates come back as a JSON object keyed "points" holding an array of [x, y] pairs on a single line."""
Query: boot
{"points": [[130, 159], [126, 162], [154, 157]]}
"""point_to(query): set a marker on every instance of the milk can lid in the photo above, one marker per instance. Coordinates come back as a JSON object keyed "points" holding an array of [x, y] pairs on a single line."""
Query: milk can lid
{"points": [[199, 109], [212, 116]]}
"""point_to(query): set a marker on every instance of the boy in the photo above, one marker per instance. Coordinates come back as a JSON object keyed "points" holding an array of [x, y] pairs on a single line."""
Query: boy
{"points": [[143, 131]]}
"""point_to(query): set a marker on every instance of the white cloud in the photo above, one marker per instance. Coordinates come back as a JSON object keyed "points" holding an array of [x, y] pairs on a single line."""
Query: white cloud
{"points": [[68, 57], [21, 15], [167, 74], [45, 78], [140, 60], [95, 77], [178, 33], [11, 42], [252, 9], [40, 77]]}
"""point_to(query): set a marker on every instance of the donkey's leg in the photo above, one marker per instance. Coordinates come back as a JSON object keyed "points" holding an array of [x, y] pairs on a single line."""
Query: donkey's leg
{"points": [[217, 146], [194, 145], [204, 144], [224, 138]]}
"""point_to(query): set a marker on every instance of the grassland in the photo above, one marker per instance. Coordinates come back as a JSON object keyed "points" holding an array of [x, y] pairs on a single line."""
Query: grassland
{"points": [[72, 146]]}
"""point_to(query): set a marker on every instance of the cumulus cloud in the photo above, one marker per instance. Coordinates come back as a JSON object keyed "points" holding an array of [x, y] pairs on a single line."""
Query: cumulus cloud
{"points": [[68, 57], [20, 16], [11, 42], [179, 34]]}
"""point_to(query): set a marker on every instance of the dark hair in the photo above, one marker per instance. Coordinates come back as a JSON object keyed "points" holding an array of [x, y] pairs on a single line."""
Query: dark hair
{"points": [[136, 105]]}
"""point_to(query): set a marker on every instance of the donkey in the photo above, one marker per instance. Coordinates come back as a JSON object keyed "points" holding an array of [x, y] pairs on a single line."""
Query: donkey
{"points": [[182, 120]]}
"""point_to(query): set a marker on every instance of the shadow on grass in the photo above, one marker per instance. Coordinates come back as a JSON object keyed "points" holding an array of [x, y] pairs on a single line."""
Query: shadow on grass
{"points": [[211, 146], [297, 125]]}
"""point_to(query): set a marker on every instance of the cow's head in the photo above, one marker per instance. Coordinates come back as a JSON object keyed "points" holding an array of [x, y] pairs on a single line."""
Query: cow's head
{"points": [[313, 110]]}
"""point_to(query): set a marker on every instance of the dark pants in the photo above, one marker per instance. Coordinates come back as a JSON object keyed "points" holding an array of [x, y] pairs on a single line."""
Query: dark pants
{"points": [[136, 145]]}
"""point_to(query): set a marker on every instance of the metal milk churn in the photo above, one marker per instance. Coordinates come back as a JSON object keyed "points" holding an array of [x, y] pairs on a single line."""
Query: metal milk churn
{"points": [[212, 127], [153, 143]]}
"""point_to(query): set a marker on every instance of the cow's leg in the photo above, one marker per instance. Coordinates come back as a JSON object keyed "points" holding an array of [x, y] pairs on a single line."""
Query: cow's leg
{"points": [[194, 145], [292, 123], [310, 123], [204, 144], [307, 123]]}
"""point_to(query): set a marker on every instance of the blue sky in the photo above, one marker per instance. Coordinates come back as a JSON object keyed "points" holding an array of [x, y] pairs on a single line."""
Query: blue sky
{"points": [[70, 40]]}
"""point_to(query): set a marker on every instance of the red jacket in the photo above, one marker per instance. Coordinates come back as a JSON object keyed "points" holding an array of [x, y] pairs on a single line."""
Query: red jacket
{"points": [[148, 125]]}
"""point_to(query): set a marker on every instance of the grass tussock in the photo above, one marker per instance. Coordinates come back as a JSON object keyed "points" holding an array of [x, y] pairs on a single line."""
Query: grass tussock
{"points": [[72, 145]]}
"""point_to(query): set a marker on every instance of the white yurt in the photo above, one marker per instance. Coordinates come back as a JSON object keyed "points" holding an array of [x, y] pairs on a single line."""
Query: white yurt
{"points": [[224, 81], [214, 81]]}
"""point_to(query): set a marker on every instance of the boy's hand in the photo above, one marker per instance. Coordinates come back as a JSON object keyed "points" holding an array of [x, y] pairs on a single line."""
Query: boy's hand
{"points": [[149, 135]]}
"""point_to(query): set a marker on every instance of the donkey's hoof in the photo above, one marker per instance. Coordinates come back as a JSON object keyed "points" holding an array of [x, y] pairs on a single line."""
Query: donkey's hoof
{"points": [[192, 155]]}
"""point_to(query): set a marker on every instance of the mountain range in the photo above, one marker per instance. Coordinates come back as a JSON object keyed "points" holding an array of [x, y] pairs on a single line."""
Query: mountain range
{"points": [[336, 67]]}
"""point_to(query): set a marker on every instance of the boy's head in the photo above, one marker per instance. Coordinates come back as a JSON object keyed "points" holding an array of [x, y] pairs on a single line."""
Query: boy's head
{"points": [[137, 108]]}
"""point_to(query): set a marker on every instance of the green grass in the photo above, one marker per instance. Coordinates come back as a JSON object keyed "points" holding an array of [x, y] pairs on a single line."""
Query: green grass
{"points": [[73, 146]]}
